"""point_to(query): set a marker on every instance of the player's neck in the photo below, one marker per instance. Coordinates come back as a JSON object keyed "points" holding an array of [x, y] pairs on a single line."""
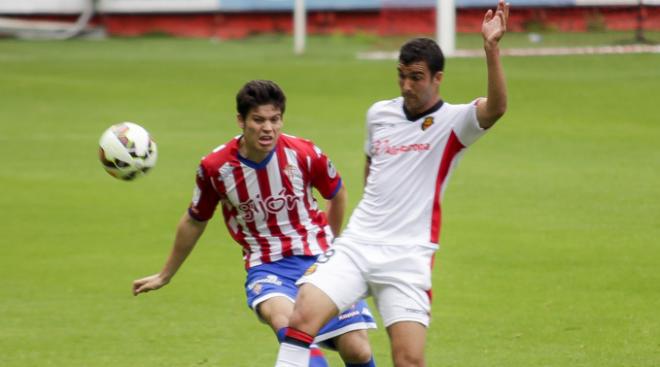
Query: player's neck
{"points": [[253, 155], [432, 106]]}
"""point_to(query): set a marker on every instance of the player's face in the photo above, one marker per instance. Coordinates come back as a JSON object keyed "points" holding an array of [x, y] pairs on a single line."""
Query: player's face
{"points": [[418, 87], [261, 129]]}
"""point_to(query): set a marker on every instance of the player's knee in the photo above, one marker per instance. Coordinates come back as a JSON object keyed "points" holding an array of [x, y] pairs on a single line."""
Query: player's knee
{"points": [[313, 309], [354, 347], [357, 354], [278, 321], [305, 321], [405, 358]]}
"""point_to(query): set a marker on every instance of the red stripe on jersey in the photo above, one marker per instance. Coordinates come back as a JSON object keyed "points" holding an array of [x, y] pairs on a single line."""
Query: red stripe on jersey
{"points": [[238, 236], [451, 149], [243, 196], [302, 163], [317, 217], [229, 212], [321, 237], [273, 227], [429, 292], [294, 218]]}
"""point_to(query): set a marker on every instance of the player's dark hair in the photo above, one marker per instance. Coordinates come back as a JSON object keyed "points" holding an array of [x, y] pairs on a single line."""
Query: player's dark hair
{"points": [[258, 93], [423, 49]]}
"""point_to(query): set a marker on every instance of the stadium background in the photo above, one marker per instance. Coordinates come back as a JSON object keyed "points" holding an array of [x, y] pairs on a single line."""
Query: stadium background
{"points": [[226, 19], [550, 250]]}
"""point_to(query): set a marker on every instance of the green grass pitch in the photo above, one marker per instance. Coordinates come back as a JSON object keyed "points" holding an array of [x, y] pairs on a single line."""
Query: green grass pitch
{"points": [[551, 237]]}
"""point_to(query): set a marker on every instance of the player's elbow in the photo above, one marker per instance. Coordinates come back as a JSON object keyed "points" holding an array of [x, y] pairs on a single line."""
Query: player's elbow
{"points": [[341, 197], [489, 110], [498, 110], [490, 118]]}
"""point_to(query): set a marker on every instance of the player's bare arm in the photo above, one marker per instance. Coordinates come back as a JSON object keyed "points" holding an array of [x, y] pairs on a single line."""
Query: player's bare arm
{"points": [[187, 233], [335, 209], [490, 109], [367, 165]]}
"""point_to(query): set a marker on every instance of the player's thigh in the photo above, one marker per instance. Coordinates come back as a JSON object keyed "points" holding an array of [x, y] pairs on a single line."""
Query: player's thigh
{"points": [[275, 311], [357, 318], [401, 287], [337, 276], [271, 289], [408, 340], [312, 310]]}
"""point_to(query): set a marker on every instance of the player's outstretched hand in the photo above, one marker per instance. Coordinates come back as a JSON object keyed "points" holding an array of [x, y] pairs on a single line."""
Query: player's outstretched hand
{"points": [[147, 284], [494, 24]]}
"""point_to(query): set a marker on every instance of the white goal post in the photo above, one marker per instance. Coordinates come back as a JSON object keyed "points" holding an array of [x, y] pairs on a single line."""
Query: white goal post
{"points": [[57, 30], [445, 11], [299, 27], [445, 26]]}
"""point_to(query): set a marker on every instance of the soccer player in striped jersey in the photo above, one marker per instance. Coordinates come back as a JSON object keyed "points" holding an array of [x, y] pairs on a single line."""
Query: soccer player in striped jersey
{"points": [[263, 181], [387, 250]]}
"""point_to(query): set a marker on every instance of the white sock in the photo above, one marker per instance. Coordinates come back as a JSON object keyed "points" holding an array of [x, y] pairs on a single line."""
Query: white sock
{"points": [[292, 356]]}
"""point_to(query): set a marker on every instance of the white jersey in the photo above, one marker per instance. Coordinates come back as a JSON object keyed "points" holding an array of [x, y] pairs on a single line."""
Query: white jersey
{"points": [[412, 158]]}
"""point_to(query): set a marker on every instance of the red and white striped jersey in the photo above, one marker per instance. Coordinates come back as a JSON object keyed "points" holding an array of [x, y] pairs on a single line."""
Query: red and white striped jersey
{"points": [[268, 206], [412, 158]]}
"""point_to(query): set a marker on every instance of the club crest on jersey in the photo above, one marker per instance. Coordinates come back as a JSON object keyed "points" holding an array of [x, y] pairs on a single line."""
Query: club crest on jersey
{"points": [[290, 171], [427, 123]]}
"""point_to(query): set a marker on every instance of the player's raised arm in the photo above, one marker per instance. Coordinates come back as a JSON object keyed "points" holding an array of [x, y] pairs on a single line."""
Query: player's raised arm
{"points": [[490, 109], [187, 233]]}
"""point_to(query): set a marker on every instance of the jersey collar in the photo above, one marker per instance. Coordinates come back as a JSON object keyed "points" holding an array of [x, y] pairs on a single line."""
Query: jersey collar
{"points": [[433, 108], [254, 165]]}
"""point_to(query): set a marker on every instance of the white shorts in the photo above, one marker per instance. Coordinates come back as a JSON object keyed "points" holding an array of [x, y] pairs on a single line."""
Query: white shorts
{"points": [[398, 278]]}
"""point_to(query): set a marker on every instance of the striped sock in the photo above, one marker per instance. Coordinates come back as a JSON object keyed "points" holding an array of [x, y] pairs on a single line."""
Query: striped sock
{"points": [[280, 334], [316, 358], [297, 337], [294, 345], [291, 355]]}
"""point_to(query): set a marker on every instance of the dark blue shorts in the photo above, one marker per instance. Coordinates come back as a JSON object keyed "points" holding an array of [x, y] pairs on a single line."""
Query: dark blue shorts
{"points": [[278, 279]]}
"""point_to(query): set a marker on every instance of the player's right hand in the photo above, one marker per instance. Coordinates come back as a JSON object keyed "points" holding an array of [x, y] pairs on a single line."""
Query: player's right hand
{"points": [[147, 284], [494, 24]]}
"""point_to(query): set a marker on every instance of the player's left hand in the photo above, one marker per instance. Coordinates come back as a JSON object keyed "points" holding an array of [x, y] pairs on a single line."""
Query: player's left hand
{"points": [[494, 25], [148, 284]]}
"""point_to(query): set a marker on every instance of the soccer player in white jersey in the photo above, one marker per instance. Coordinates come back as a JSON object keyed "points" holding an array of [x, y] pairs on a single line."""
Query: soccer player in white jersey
{"points": [[263, 180], [387, 249]]}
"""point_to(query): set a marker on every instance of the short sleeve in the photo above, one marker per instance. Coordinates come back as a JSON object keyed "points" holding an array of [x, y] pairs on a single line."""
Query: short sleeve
{"points": [[466, 125], [205, 198], [324, 175]]}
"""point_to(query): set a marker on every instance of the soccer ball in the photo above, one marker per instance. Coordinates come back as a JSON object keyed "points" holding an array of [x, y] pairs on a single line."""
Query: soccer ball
{"points": [[127, 151]]}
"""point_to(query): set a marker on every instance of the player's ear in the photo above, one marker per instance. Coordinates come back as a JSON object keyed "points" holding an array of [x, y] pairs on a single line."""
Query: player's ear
{"points": [[438, 77], [240, 121]]}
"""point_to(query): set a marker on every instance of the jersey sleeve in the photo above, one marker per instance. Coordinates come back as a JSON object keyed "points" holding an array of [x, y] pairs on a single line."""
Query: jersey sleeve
{"points": [[324, 175], [205, 197], [466, 125]]}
